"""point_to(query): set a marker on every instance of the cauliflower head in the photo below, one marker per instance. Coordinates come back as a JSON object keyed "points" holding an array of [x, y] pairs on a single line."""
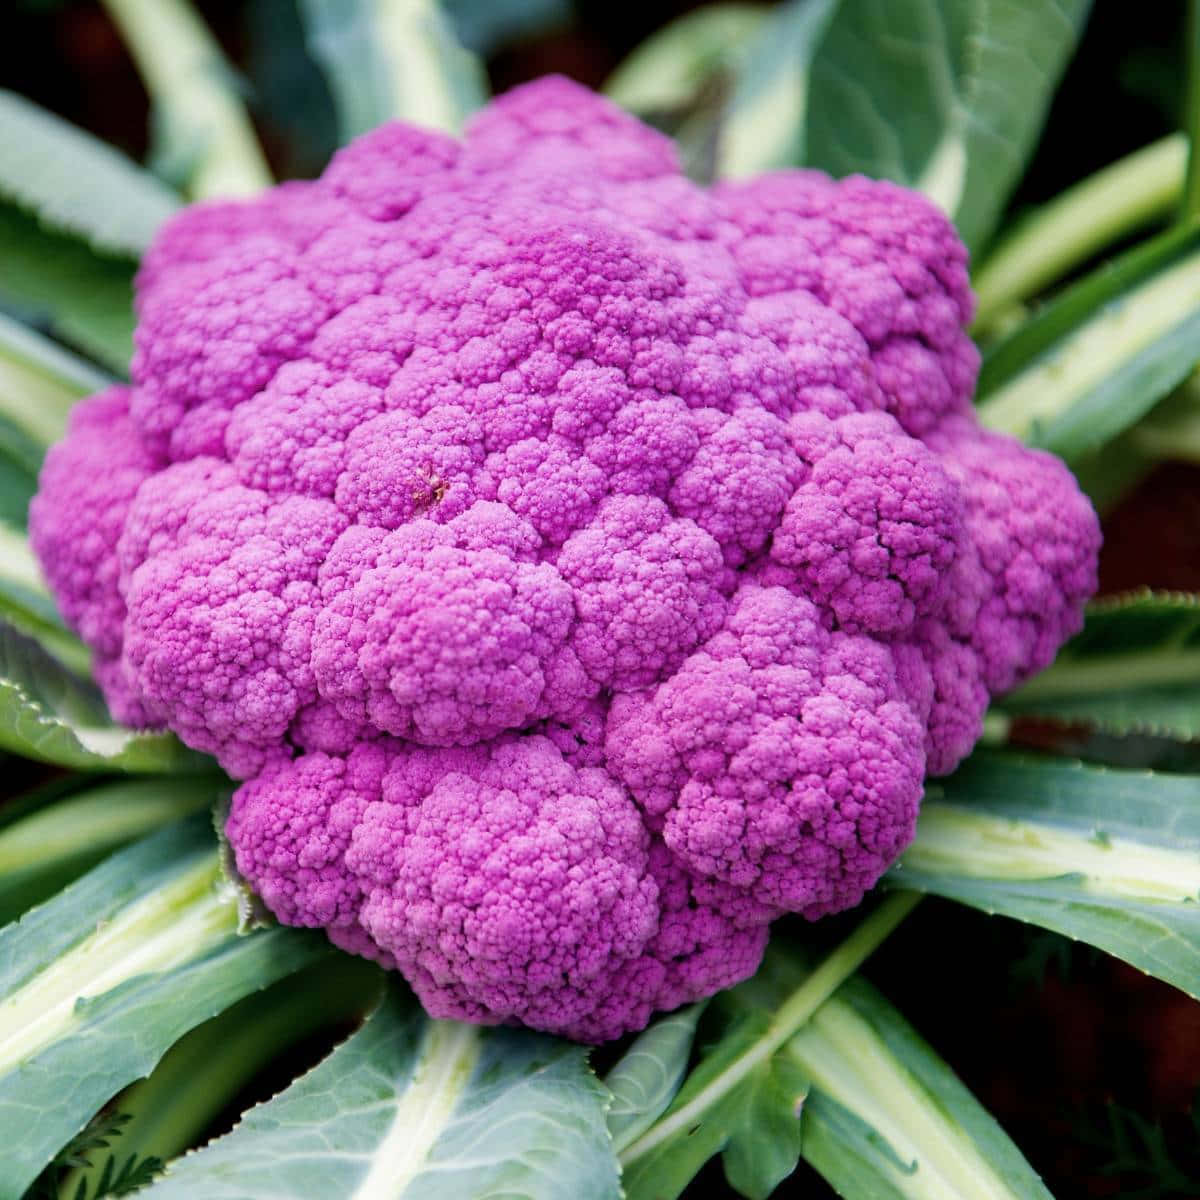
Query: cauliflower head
{"points": [[579, 567]]}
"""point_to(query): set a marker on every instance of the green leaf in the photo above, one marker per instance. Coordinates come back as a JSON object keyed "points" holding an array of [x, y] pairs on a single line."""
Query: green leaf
{"points": [[101, 980], [1049, 242], [55, 843], [1110, 473], [670, 69], [50, 714], [23, 803], [1172, 430], [943, 95], [40, 382], [252, 912], [84, 297], [662, 1172], [1096, 360], [201, 127], [647, 1078], [1135, 668], [882, 1115], [1109, 857], [98, 1135], [123, 1178], [421, 1110], [1089, 297], [766, 1133], [76, 183], [738, 1091], [765, 122], [26, 605], [682, 79], [887, 1118], [19, 456], [206, 1070], [388, 59]]}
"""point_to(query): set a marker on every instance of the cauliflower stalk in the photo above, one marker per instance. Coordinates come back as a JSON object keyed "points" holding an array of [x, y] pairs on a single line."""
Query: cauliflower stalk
{"points": [[579, 567]]}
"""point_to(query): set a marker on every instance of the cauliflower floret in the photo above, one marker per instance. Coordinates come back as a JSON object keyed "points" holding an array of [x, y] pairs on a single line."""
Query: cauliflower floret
{"points": [[579, 567], [780, 758], [872, 532], [647, 587], [431, 636], [75, 523]]}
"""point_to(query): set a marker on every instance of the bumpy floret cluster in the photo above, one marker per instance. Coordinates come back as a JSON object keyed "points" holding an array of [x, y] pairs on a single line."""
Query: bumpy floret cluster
{"points": [[580, 567]]}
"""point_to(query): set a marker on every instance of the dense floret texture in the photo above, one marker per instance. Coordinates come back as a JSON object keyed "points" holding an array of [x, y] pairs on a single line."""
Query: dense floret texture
{"points": [[580, 567]]}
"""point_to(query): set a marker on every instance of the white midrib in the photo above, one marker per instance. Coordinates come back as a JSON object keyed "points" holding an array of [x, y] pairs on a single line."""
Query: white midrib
{"points": [[17, 560], [847, 1060], [426, 94], [944, 179], [444, 1066], [1088, 355], [957, 840], [172, 926]]}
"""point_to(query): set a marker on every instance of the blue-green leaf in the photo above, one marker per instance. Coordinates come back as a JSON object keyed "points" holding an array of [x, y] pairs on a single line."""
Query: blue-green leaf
{"points": [[73, 182], [387, 59], [96, 984], [1105, 856], [48, 713], [1135, 668], [484, 26], [1098, 358], [647, 1078], [944, 95], [418, 1110], [206, 1070]]}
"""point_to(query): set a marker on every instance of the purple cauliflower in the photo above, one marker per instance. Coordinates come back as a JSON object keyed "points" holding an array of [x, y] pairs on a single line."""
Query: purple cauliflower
{"points": [[579, 567]]}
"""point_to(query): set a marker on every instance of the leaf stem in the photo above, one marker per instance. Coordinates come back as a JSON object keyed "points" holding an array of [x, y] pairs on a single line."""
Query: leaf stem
{"points": [[1101, 357], [57, 842], [385, 59], [189, 81], [1190, 207], [957, 840], [190, 914], [789, 1017], [1129, 671], [40, 381], [1119, 199]]}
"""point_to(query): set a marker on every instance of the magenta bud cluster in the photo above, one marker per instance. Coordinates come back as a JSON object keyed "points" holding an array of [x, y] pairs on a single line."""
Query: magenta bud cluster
{"points": [[578, 567]]}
